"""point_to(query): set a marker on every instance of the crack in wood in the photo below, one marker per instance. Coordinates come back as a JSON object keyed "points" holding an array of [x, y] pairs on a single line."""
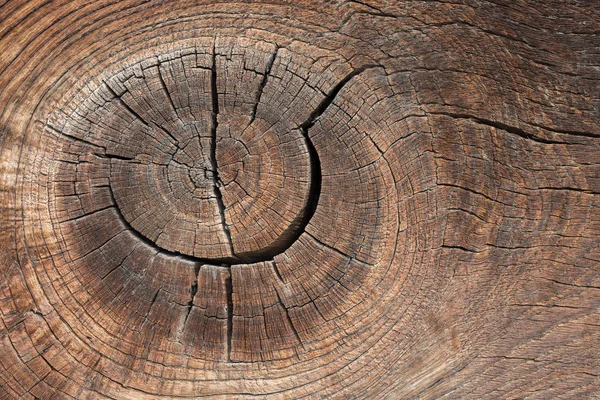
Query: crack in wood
{"points": [[277, 273], [263, 83], [480, 216], [499, 125], [165, 89], [125, 105], [213, 151], [229, 292], [288, 318], [193, 291], [74, 138], [215, 262], [315, 162]]}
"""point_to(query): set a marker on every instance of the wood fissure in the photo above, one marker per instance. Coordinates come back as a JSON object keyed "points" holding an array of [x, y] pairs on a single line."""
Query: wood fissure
{"points": [[213, 151], [150, 243], [263, 83], [193, 292], [125, 105], [229, 293]]}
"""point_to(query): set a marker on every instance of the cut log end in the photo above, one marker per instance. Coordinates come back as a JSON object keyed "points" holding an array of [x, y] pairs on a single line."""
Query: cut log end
{"points": [[318, 200]]}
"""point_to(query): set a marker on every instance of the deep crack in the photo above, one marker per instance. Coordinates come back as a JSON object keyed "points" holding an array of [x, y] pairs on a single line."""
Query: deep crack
{"points": [[160, 250], [126, 106], [263, 83], [213, 150], [229, 291], [315, 162], [330, 97], [166, 90], [298, 225], [193, 291]]}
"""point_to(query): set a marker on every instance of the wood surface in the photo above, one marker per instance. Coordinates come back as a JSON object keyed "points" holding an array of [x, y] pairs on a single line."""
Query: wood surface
{"points": [[299, 199]]}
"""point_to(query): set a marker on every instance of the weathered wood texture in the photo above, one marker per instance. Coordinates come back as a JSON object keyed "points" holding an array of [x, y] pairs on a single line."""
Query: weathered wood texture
{"points": [[342, 199]]}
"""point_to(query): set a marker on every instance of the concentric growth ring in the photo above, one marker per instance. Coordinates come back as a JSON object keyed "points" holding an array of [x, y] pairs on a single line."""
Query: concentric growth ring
{"points": [[197, 171], [215, 183], [298, 199]]}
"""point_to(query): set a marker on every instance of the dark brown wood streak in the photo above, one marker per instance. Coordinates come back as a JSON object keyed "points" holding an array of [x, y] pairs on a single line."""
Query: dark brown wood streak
{"points": [[299, 199]]}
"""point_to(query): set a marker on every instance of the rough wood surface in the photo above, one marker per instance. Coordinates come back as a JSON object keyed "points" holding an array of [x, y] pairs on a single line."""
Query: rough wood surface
{"points": [[342, 199]]}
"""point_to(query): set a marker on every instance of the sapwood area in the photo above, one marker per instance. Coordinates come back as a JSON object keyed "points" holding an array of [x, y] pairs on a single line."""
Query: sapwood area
{"points": [[299, 199]]}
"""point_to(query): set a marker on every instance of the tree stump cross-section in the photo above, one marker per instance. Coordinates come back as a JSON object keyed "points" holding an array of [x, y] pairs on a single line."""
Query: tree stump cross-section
{"points": [[346, 199]]}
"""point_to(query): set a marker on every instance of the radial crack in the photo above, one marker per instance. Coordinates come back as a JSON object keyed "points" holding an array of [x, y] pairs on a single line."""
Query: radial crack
{"points": [[126, 106], [74, 138], [168, 134], [289, 319], [229, 291], [277, 273], [213, 150], [155, 296], [193, 291], [166, 90], [152, 303], [263, 84], [114, 156]]}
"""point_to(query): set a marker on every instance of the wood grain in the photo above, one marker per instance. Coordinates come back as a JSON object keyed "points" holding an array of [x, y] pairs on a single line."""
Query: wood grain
{"points": [[287, 200]]}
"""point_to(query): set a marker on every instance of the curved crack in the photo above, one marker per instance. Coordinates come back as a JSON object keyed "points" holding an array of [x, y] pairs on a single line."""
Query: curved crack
{"points": [[217, 262], [298, 225]]}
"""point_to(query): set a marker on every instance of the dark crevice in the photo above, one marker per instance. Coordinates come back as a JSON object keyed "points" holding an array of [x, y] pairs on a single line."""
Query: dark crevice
{"points": [[572, 284], [126, 106], [229, 291], [155, 297], [289, 319], [330, 97], [87, 214], [277, 271], [568, 132], [114, 156], [214, 262], [193, 291], [166, 90], [213, 150], [314, 192], [315, 161], [458, 248], [499, 125], [75, 138], [298, 225], [168, 134], [263, 84], [152, 303]]}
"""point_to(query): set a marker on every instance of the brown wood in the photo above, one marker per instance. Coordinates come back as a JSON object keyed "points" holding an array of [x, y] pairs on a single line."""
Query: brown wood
{"points": [[342, 199]]}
